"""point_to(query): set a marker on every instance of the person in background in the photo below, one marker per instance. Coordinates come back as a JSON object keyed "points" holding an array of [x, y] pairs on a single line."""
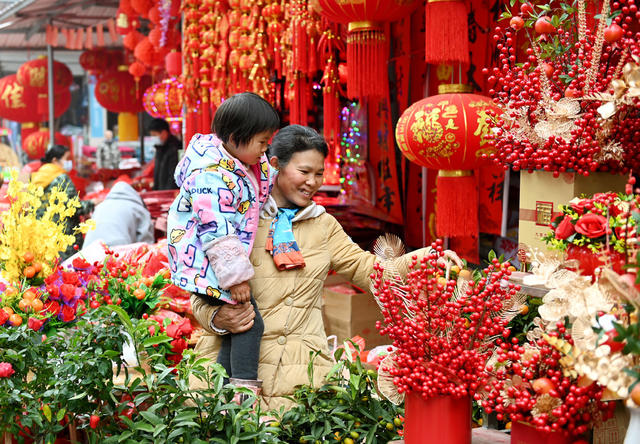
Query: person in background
{"points": [[56, 163], [121, 219], [167, 146], [108, 153]]}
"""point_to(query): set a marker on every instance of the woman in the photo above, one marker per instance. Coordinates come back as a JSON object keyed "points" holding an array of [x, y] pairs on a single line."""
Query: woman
{"points": [[290, 300], [53, 173]]}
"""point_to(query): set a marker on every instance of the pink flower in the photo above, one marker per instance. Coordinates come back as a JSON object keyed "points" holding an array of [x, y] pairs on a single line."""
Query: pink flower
{"points": [[6, 370]]}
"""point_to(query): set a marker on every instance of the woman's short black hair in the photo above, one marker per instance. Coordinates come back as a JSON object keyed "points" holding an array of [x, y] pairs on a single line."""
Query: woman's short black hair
{"points": [[242, 116], [159, 125], [294, 139], [55, 152]]}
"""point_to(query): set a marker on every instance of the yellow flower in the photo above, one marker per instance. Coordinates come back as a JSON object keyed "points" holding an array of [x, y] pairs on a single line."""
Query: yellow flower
{"points": [[22, 231]]}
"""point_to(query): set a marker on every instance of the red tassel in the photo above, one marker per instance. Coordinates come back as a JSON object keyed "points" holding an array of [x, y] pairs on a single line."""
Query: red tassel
{"points": [[366, 63], [457, 205], [446, 32], [313, 58]]}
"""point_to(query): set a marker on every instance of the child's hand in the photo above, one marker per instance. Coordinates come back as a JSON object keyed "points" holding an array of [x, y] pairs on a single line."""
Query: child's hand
{"points": [[241, 292]]}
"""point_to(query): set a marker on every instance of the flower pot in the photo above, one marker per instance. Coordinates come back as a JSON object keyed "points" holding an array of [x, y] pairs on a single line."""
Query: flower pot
{"points": [[442, 420], [633, 431], [588, 261], [522, 433]]}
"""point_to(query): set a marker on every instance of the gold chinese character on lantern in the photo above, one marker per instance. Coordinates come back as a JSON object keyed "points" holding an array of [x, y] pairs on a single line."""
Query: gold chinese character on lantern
{"points": [[37, 76], [12, 96], [427, 130]]}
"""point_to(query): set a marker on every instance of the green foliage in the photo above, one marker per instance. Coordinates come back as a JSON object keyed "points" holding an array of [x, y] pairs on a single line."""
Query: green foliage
{"points": [[345, 407]]}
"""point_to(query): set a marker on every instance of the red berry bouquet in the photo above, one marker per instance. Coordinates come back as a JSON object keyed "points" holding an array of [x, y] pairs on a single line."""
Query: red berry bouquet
{"points": [[596, 230], [443, 329], [570, 101], [532, 385]]}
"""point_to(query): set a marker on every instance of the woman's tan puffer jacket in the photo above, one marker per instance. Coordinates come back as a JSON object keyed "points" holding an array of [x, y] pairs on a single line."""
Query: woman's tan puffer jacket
{"points": [[291, 302]]}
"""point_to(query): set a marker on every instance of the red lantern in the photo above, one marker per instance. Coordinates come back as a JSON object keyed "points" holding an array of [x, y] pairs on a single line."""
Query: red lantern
{"points": [[142, 7], [451, 133], [116, 91], [147, 54], [21, 104], [154, 15], [165, 100], [35, 144], [94, 60], [366, 42], [131, 40], [173, 63], [33, 74]]}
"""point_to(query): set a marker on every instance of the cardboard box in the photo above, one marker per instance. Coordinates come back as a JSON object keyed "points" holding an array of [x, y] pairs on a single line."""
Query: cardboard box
{"points": [[347, 315], [541, 195]]}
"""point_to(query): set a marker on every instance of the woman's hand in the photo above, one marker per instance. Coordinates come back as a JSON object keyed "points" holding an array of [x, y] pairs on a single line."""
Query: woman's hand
{"points": [[236, 318]]}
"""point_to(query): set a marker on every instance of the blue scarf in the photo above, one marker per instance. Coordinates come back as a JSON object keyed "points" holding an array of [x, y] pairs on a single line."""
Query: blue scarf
{"points": [[281, 243]]}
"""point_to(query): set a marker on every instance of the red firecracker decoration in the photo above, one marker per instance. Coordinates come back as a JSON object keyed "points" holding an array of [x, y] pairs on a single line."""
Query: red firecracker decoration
{"points": [[21, 104], [33, 74], [367, 41], [173, 63], [451, 133], [446, 32], [116, 91], [35, 144]]}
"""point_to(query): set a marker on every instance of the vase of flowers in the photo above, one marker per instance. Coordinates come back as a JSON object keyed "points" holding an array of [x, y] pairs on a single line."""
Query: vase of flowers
{"points": [[594, 231], [443, 329]]}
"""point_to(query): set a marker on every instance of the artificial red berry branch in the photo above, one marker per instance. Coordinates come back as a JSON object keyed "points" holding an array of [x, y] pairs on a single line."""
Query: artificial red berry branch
{"points": [[443, 330]]}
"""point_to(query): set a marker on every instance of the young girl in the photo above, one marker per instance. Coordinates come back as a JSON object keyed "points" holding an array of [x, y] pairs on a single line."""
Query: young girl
{"points": [[224, 180]]}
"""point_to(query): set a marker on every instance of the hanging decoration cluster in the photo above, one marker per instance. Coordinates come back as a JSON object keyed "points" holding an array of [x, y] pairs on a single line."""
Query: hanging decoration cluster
{"points": [[367, 39], [241, 45]]}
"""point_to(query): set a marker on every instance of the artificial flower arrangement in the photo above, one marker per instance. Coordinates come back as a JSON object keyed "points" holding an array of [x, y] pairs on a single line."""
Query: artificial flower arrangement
{"points": [[596, 230], [443, 329], [571, 104], [530, 385]]}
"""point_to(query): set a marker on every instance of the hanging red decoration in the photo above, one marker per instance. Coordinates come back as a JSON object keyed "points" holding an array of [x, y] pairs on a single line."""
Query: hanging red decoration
{"points": [[154, 15], [116, 91], [173, 63], [142, 7], [33, 74], [125, 23], [367, 41], [125, 6], [94, 60], [172, 38], [165, 100], [35, 144], [147, 54], [21, 104], [450, 132], [446, 32], [131, 40], [137, 70]]}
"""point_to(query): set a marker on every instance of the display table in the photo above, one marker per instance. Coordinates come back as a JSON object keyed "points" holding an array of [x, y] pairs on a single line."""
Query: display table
{"points": [[481, 435]]}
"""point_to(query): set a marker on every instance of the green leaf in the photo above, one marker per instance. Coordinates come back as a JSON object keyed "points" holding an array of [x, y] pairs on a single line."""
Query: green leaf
{"points": [[156, 340], [60, 414], [46, 410], [145, 427], [151, 417]]}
